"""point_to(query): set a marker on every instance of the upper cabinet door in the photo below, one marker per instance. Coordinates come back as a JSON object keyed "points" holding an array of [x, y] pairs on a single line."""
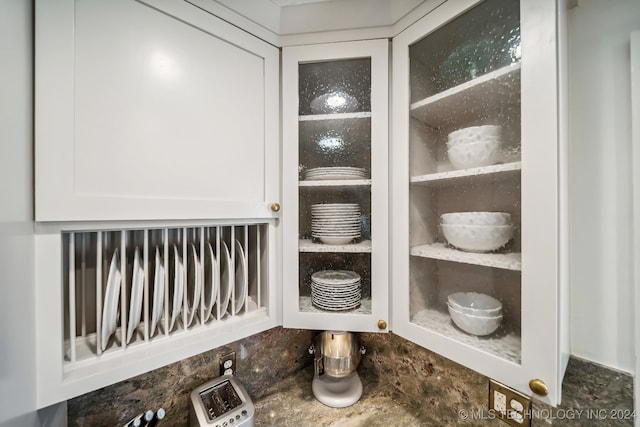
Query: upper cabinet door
{"points": [[335, 178], [152, 109], [477, 197]]}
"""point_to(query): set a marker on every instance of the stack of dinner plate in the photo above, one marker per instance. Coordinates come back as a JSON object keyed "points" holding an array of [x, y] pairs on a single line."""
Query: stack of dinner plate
{"points": [[336, 290], [340, 172], [335, 223]]}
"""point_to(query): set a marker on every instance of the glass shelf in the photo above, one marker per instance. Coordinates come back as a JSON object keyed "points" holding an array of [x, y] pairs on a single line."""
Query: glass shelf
{"points": [[507, 261], [307, 245], [465, 174], [485, 95], [338, 184]]}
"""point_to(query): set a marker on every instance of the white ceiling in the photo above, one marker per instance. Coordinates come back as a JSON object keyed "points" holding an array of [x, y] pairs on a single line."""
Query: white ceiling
{"points": [[288, 17], [284, 3]]}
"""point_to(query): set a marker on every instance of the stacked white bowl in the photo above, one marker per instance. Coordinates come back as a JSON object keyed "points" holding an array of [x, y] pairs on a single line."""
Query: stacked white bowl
{"points": [[477, 231], [335, 223], [475, 313], [474, 146]]}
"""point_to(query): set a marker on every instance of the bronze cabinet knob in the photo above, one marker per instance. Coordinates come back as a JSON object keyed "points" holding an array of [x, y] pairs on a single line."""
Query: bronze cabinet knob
{"points": [[538, 387], [275, 207], [382, 325]]}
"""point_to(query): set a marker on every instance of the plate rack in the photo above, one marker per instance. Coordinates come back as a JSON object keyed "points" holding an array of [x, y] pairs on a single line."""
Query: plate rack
{"points": [[94, 260]]}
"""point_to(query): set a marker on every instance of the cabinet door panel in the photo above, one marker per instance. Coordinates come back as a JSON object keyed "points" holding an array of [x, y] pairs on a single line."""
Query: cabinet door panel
{"points": [[475, 119], [335, 186], [162, 111]]}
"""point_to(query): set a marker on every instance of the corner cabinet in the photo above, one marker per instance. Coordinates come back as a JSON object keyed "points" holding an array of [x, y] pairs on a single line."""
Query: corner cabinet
{"points": [[152, 110], [477, 122], [157, 185], [335, 178]]}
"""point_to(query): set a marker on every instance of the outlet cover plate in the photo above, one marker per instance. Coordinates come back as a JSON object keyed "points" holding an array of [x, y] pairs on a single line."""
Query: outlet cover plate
{"points": [[509, 405], [228, 364]]}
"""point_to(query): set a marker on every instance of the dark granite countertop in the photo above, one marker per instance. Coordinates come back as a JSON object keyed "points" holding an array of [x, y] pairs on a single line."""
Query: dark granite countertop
{"points": [[291, 403]]}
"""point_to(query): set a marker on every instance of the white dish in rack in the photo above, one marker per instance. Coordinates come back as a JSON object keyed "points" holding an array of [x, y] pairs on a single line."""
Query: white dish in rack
{"points": [[194, 284], [178, 287], [211, 280], [137, 288], [158, 292], [226, 278], [111, 297], [241, 278]]}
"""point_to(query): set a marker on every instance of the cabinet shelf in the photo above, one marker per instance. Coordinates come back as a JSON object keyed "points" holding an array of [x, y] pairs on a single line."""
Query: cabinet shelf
{"points": [[506, 345], [508, 261], [306, 245], [336, 116], [338, 184], [487, 94], [307, 307], [455, 175]]}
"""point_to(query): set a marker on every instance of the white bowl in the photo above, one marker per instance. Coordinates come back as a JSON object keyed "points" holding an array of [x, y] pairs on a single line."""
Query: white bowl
{"points": [[476, 218], [335, 240], [474, 325], [477, 238], [475, 133], [474, 155], [475, 303]]}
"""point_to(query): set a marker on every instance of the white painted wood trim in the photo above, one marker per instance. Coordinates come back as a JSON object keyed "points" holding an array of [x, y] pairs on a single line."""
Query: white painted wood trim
{"points": [[377, 50], [635, 136]]}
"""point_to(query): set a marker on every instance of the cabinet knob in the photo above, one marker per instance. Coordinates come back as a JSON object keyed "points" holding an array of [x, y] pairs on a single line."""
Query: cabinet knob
{"points": [[538, 387], [382, 325], [275, 207]]}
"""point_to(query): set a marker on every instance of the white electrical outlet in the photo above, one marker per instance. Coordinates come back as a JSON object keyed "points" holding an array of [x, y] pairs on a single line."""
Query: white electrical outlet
{"points": [[499, 401], [509, 405], [228, 364]]}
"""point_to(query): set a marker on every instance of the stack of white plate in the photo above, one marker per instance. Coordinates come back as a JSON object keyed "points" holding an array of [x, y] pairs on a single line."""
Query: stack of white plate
{"points": [[336, 290], [335, 223], [341, 172]]}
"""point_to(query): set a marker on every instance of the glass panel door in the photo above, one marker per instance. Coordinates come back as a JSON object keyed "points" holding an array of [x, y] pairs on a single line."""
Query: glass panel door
{"points": [[335, 151], [465, 187], [335, 186]]}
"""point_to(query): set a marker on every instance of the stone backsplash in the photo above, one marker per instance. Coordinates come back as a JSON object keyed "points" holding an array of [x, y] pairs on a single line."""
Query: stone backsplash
{"points": [[441, 387]]}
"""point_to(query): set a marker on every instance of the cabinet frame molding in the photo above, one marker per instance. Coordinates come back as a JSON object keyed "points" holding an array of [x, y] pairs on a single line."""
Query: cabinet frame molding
{"points": [[378, 51], [544, 203]]}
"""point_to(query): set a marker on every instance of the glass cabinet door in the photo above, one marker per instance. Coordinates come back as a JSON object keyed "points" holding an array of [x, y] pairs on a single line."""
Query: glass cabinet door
{"points": [[335, 186], [463, 168]]}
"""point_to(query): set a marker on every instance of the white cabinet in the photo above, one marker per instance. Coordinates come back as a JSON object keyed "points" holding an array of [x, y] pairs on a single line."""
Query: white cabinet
{"points": [[152, 110], [335, 178], [157, 165], [164, 118], [471, 65]]}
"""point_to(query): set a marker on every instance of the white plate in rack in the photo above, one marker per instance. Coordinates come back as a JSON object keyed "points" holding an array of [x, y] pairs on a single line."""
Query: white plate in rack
{"points": [[111, 298], [211, 280], [178, 287], [226, 278], [158, 292], [194, 283], [137, 289], [241, 278]]}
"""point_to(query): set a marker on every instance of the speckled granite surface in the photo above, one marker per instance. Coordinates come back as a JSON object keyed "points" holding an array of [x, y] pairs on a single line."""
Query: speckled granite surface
{"points": [[263, 360], [403, 384]]}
